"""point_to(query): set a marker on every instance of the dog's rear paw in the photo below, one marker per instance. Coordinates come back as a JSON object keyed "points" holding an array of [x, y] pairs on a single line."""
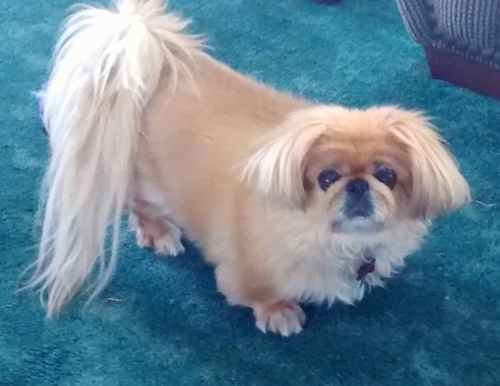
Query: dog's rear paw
{"points": [[165, 244], [284, 318], [161, 236]]}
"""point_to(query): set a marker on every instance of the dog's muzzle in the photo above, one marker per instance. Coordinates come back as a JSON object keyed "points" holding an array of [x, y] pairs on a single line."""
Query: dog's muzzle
{"points": [[358, 201]]}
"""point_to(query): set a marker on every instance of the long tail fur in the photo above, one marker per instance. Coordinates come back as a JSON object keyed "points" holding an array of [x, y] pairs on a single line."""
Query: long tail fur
{"points": [[107, 65]]}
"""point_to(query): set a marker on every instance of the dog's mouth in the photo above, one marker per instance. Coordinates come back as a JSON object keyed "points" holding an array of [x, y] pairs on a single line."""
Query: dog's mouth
{"points": [[367, 267], [357, 225]]}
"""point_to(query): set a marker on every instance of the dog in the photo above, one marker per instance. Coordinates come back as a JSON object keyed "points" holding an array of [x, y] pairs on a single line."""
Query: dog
{"points": [[290, 201]]}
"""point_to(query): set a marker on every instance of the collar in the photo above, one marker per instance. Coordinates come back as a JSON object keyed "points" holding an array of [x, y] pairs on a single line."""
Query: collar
{"points": [[367, 267]]}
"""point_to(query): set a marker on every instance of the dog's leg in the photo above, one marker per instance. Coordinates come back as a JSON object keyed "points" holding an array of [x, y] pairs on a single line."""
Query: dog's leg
{"points": [[154, 230], [272, 314]]}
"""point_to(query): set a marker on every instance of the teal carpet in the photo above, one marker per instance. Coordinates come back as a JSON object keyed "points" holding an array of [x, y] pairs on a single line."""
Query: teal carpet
{"points": [[437, 323]]}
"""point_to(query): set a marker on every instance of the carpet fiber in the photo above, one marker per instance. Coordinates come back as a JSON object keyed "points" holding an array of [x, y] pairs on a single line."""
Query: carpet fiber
{"points": [[161, 321]]}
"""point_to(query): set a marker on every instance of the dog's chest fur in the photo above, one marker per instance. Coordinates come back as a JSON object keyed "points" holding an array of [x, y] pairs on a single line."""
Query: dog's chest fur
{"points": [[320, 266]]}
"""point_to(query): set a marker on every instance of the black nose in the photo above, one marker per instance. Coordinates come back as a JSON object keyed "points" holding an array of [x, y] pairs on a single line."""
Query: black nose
{"points": [[358, 202], [358, 186]]}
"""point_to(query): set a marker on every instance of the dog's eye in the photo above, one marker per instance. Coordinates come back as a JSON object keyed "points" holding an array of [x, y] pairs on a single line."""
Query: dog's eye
{"points": [[387, 176], [327, 178]]}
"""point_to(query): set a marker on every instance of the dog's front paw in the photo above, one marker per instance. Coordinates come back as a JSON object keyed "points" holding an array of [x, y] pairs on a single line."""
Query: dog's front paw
{"points": [[284, 318]]}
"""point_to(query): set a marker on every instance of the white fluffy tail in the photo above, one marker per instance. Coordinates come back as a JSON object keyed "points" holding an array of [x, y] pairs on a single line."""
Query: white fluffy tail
{"points": [[107, 65]]}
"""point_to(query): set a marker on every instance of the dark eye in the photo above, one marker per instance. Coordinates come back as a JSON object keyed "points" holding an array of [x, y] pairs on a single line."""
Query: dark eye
{"points": [[327, 178], [387, 176]]}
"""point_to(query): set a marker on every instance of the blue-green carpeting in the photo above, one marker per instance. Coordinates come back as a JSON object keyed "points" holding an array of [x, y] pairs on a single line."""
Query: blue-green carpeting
{"points": [[437, 323]]}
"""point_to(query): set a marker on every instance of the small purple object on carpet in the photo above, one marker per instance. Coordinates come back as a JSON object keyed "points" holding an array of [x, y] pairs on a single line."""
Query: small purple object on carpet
{"points": [[41, 104]]}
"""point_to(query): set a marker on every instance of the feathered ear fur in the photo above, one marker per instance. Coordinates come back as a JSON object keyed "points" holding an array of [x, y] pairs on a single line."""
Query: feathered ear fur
{"points": [[277, 167], [438, 185]]}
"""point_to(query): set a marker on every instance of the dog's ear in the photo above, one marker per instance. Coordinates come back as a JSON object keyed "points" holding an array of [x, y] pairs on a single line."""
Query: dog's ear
{"points": [[277, 166], [438, 187]]}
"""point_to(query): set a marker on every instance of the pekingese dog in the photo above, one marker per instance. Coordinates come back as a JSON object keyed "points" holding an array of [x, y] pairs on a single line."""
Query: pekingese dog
{"points": [[291, 201]]}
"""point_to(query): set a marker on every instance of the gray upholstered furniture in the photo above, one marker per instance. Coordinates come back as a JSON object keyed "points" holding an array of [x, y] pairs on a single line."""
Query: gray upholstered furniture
{"points": [[461, 39]]}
